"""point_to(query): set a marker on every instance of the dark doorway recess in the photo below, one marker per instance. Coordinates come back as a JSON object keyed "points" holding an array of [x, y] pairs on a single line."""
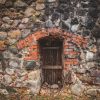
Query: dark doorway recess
{"points": [[51, 51]]}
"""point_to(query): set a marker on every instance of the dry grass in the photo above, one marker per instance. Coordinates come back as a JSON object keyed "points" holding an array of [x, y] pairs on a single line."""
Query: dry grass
{"points": [[32, 97]]}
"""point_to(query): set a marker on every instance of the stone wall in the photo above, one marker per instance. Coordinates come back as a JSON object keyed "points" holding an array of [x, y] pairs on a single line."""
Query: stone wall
{"points": [[77, 22]]}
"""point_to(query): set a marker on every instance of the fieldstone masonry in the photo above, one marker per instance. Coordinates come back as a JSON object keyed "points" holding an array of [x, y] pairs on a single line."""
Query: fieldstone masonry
{"points": [[24, 22]]}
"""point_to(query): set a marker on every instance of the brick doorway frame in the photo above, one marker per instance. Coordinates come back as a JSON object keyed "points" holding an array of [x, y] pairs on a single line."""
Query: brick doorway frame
{"points": [[70, 40]]}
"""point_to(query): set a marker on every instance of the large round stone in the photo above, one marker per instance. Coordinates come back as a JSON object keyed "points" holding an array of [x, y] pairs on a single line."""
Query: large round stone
{"points": [[29, 11], [20, 3], [7, 54], [7, 79], [77, 88], [34, 75], [13, 49], [14, 34], [7, 20], [25, 32], [2, 45], [25, 20], [9, 71], [3, 35], [40, 6], [13, 64]]}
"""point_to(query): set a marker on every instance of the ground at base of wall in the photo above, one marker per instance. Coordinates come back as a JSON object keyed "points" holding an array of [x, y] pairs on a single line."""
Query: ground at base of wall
{"points": [[52, 94], [41, 97]]}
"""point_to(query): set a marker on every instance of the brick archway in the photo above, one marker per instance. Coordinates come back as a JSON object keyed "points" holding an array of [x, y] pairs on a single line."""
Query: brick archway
{"points": [[31, 41], [71, 41]]}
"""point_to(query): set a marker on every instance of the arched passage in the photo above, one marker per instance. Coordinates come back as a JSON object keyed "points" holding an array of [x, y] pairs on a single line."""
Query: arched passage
{"points": [[51, 52]]}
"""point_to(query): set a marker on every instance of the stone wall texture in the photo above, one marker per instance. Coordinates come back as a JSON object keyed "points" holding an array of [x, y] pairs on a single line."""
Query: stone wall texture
{"points": [[24, 22]]}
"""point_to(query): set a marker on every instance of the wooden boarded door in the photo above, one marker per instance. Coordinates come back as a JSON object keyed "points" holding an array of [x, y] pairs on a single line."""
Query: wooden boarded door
{"points": [[51, 58]]}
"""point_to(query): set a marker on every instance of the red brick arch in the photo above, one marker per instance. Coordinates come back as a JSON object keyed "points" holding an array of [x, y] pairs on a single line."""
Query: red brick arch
{"points": [[31, 42]]}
